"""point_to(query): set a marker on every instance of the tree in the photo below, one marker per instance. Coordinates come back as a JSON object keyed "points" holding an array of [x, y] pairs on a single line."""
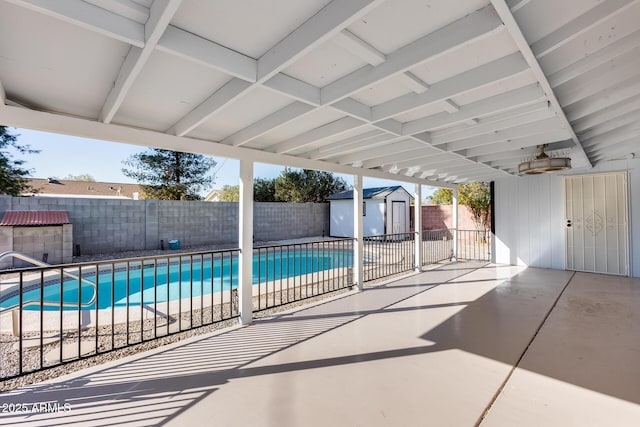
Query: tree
{"points": [[82, 177], [230, 193], [170, 175], [13, 177], [475, 195], [264, 190], [307, 186]]}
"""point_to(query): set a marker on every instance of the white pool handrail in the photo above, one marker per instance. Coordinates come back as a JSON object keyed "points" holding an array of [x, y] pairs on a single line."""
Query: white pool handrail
{"points": [[38, 263]]}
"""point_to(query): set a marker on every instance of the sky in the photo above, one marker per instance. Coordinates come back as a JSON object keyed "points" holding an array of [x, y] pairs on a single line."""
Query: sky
{"points": [[62, 155]]}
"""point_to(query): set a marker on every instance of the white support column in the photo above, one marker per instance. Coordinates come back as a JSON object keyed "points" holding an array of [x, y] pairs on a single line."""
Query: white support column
{"points": [[454, 217], [417, 226], [358, 231], [245, 268]]}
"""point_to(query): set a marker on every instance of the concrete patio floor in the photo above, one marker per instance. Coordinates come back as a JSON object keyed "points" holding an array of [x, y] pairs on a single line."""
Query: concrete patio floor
{"points": [[466, 344]]}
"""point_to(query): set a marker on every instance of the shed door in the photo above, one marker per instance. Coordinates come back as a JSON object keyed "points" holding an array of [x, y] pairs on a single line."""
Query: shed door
{"points": [[596, 223], [398, 217]]}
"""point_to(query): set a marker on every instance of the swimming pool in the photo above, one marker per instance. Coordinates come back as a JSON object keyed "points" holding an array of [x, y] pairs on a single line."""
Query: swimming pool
{"points": [[121, 285]]}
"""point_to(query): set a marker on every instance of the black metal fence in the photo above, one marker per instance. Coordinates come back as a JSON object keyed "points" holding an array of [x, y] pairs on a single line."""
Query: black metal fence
{"points": [[388, 254], [55, 315], [294, 272], [474, 245], [437, 245]]}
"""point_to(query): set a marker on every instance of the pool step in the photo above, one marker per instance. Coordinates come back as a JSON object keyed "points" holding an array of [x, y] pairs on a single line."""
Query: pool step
{"points": [[34, 341], [70, 351]]}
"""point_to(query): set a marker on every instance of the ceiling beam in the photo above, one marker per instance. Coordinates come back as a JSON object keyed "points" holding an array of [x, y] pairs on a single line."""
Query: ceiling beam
{"points": [[459, 33], [3, 95], [232, 90], [384, 150], [577, 26], [544, 137], [322, 26], [126, 8], [495, 71], [492, 126], [160, 14], [613, 137], [351, 145], [408, 156], [506, 101], [316, 135], [358, 47], [604, 99], [606, 54], [529, 129], [189, 46], [294, 88], [272, 121], [515, 152], [520, 41], [603, 116], [633, 116], [57, 123], [413, 82], [610, 74], [90, 17]]}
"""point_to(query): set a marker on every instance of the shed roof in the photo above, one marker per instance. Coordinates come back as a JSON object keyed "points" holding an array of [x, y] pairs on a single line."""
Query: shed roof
{"points": [[34, 218], [368, 193]]}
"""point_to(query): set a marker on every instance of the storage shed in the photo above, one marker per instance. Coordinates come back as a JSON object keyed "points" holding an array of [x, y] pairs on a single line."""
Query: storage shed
{"points": [[385, 210]]}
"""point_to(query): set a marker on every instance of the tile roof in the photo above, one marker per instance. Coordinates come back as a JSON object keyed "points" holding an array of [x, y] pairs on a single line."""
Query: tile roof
{"points": [[367, 193], [68, 187], [34, 218]]}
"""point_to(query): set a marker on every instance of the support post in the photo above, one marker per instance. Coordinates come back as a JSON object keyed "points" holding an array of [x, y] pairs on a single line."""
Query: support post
{"points": [[358, 231], [245, 239], [417, 226], [454, 225]]}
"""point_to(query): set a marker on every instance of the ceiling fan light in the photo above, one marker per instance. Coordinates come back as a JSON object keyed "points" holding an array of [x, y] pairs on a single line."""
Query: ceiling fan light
{"points": [[544, 164]]}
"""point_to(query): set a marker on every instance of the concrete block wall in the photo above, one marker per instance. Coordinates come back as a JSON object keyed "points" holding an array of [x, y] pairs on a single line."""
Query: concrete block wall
{"points": [[37, 241], [436, 217], [278, 221], [108, 225]]}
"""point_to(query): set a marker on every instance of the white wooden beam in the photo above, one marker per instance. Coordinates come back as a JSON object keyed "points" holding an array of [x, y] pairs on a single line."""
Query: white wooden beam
{"points": [[272, 121], [318, 134], [598, 118], [520, 41], [294, 88], [245, 239], [353, 108], [608, 53], [90, 17], [602, 100], [613, 137], [3, 95], [185, 45], [508, 101], [625, 149], [599, 79], [383, 150], [351, 145], [126, 8], [160, 14], [577, 26], [407, 156], [57, 123], [413, 82], [633, 116], [519, 141], [322, 26], [506, 121], [358, 47], [513, 151], [450, 106], [528, 129], [220, 99], [516, 5], [463, 31], [484, 75]]}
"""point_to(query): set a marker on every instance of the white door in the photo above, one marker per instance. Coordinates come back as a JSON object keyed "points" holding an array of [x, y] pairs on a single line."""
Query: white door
{"points": [[398, 217], [596, 223]]}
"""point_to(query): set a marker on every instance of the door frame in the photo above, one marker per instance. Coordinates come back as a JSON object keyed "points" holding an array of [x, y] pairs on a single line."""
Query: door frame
{"points": [[627, 213], [403, 215]]}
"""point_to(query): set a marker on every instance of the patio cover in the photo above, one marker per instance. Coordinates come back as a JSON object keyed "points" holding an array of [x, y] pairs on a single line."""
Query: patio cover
{"points": [[435, 92]]}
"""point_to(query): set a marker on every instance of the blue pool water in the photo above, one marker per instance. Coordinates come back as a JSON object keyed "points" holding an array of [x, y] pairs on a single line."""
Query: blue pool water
{"points": [[175, 281]]}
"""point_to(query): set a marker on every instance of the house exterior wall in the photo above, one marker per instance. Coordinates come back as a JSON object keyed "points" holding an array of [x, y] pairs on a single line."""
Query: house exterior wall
{"points": [[529, 217]]}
